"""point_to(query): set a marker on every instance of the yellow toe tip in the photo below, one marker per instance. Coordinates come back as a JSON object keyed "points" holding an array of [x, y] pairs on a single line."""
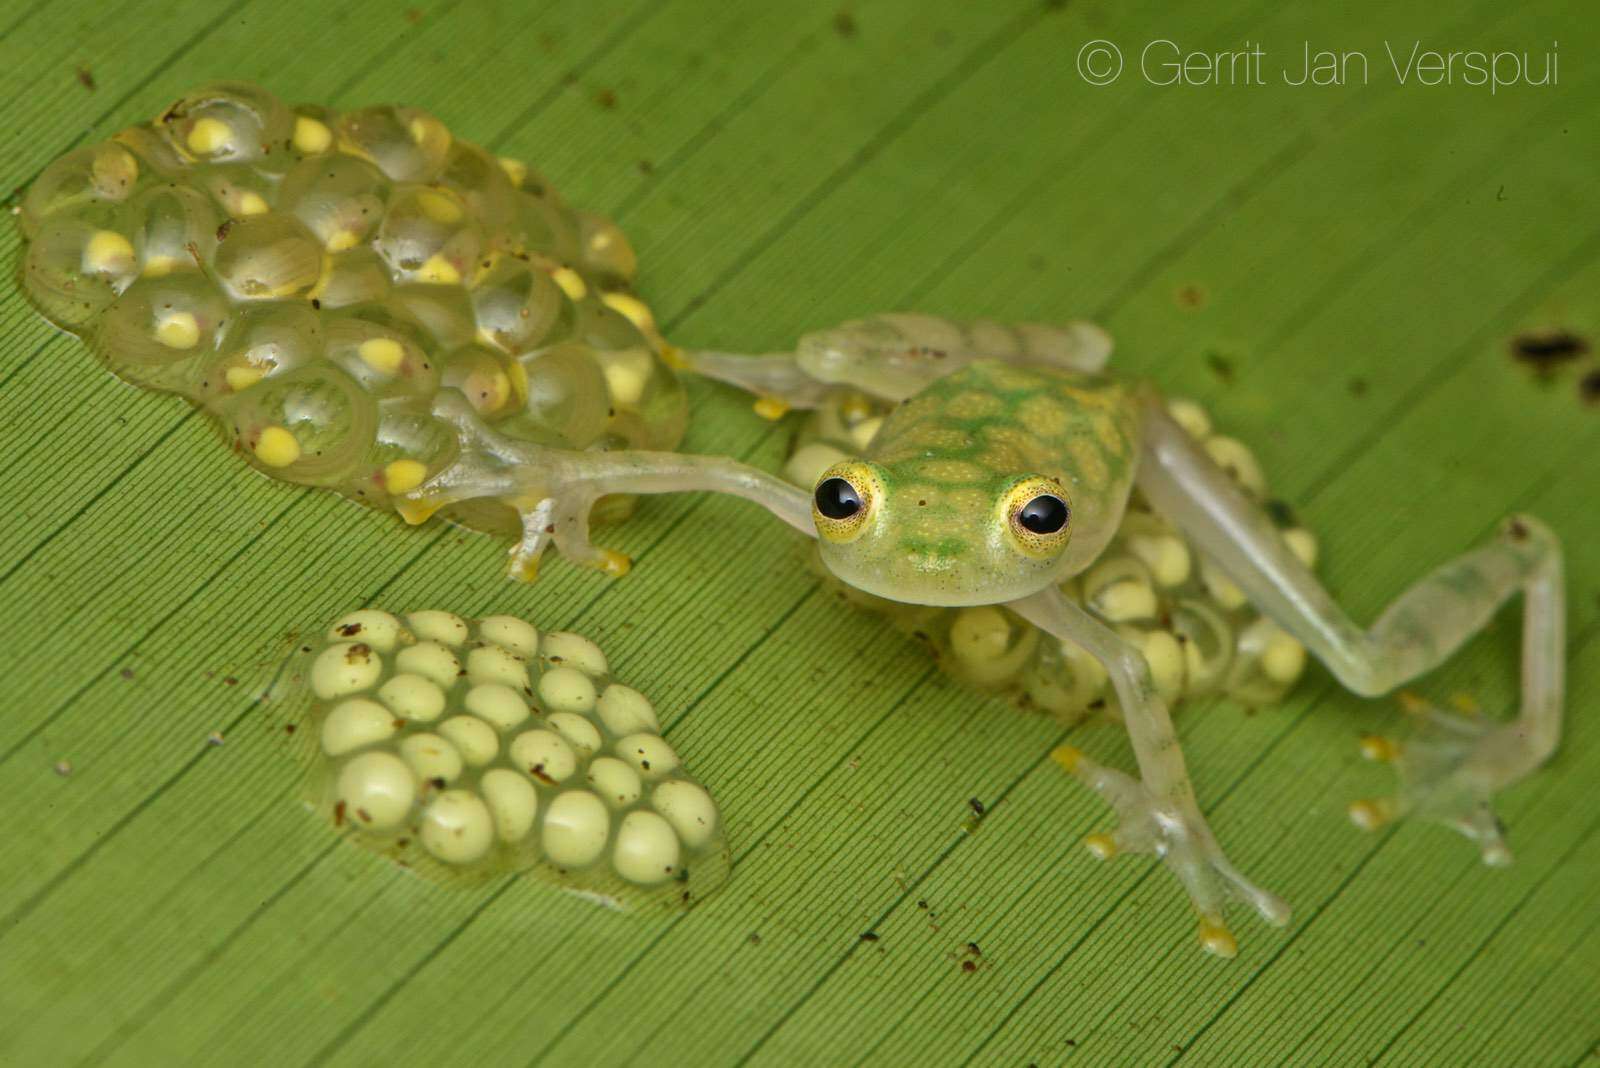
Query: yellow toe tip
{"points": [[1217, 940], [1068, 756], [771, 408], [415, 512], [1103, 846], [1369, 815], [524, 570], [615, 564], [1377, 748], [1497, 855]]}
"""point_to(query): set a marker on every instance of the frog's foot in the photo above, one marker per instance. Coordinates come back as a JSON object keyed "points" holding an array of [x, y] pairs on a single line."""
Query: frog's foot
{"points": [[1449, 769], [562, 522], [552, 490], [1177, 834]]}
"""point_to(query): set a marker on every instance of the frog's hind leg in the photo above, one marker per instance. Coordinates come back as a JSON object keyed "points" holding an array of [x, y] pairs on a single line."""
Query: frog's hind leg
{"points": [[776, 380], [894, 356], [555, 490], [1157, 812], [1452, 766]]}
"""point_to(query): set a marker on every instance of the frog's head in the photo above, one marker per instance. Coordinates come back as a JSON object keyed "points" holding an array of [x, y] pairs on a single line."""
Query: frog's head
{"points": [[897, 534]]}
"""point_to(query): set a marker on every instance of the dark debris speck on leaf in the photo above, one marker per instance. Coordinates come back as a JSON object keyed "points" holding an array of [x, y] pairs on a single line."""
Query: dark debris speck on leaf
{"points": [[1280, 512], [844, 24], [1219, 365], [1546, 351]]}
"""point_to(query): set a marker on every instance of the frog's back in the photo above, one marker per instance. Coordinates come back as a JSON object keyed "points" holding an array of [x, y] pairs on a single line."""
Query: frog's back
{"points": [[1005, 418], [991, 421]]}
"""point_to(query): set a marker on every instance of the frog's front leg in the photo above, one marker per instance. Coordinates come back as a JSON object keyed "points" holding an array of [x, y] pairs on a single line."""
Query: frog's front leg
{"points": [[1157, 811], [893, 357], [1452, 766], [554, 490]]}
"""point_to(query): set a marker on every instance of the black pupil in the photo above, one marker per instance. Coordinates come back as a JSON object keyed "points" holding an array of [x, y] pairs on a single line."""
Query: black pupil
{"points": [[837, 499], [1044, 514]]}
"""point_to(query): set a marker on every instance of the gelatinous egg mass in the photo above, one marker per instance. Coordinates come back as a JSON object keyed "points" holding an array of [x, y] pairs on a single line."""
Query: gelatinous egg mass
{"points": [[479, 748], [316, 280], [1194, 626]]}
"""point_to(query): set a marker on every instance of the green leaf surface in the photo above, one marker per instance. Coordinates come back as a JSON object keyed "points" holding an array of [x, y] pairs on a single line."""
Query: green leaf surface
{"points": [[1336, 271]]}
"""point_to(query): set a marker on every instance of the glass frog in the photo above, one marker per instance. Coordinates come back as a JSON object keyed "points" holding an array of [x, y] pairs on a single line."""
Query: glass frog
{"points": [[366, 303], [1005, 466]]}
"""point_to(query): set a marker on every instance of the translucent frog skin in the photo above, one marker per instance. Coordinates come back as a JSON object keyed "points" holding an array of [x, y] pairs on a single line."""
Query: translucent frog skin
{"points": [[944, 508], [949, 469], [997, 476], [370, 305], [1195, 627]]}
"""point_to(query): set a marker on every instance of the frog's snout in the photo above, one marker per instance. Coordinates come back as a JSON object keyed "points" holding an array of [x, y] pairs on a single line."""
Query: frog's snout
{"points": [[933, 559]]}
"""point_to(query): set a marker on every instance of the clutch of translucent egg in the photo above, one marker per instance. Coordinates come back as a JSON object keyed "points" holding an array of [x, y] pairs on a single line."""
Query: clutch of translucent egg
{"points": [[480, 748], [315, 279], [1198, 633]]}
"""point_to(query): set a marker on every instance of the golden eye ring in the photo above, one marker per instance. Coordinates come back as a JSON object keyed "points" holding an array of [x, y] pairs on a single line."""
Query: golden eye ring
{"points": [[1038, 516], [843, 500]]}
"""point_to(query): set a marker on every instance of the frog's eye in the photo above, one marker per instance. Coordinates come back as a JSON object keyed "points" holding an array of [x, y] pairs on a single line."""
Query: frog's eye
{"points": [[837, 499], [1045, 514], [1038, 515], [843, 500]]}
